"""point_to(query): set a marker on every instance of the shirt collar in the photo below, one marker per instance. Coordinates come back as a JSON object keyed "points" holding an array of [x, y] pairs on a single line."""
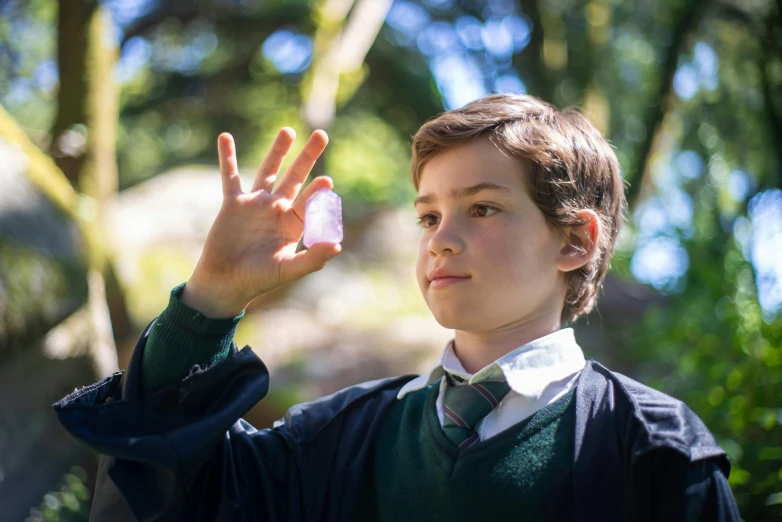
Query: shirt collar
{"points": [[528, 369]]}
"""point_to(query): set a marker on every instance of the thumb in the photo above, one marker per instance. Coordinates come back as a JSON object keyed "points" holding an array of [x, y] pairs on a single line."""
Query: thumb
{"points": [[308, 261]]}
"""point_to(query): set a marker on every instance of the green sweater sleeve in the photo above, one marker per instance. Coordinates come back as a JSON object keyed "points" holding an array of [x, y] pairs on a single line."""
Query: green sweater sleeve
{"points": [[181, 338]]}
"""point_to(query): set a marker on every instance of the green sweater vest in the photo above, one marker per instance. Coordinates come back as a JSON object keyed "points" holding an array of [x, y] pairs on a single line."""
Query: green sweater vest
{"points": [[522, 473]]}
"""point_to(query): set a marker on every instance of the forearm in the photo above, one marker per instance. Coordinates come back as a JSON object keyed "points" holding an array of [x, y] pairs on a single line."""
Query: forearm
{"points": [[181, 338]]}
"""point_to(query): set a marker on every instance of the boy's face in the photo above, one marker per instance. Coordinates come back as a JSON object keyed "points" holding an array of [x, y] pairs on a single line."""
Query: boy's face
{"points": [[497, 240]]}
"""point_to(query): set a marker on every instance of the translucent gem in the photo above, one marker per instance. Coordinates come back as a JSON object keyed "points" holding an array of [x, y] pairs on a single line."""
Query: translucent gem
{"points": [[323, 218]]}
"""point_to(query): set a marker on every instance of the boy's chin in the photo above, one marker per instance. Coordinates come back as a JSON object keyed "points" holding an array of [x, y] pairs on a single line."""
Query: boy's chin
{"points": [[456, 321]]}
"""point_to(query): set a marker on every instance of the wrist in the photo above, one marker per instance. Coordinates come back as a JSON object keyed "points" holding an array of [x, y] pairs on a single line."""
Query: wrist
{"points": [[211, 300]]}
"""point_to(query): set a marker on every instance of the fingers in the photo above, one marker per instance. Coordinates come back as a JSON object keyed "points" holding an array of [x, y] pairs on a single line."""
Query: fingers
{"points": [[229, 170], [300, 205], [267, 173], [308, 261], [302, 165]]}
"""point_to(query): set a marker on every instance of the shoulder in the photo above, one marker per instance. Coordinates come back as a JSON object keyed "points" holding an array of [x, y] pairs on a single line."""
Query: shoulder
{"points": [[356, 404], [655, 419]]}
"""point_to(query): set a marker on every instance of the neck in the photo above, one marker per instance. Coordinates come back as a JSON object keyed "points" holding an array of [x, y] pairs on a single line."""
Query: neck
{"points": [[476, 350]]}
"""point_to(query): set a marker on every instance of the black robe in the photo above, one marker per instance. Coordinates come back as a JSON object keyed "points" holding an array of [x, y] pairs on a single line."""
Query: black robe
{"points": [[181, 454]]}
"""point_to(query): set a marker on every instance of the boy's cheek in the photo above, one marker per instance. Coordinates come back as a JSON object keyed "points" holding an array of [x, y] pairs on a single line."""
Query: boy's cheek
{"points": [[420, 268]]}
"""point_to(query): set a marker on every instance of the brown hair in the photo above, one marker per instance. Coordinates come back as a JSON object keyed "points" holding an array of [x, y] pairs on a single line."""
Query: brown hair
{"points": [[573, 168]]}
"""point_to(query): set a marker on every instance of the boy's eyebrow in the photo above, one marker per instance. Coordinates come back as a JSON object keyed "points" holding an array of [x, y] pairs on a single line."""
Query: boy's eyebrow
{"points": [[463, 192]]}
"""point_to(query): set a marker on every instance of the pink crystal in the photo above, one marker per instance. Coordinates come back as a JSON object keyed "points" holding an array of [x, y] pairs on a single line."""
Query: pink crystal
{"points": [[323, 218]]}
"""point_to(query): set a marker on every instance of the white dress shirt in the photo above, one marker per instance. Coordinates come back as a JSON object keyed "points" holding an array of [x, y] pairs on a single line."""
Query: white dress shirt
{"points": [[538, 373]]}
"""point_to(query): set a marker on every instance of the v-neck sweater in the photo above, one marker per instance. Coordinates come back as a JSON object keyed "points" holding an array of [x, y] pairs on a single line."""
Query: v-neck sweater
{"points": [[416, 473]]}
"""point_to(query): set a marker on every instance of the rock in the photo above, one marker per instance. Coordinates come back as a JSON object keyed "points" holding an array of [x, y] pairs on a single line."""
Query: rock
{"points": [[42, 258], [43, 289]]}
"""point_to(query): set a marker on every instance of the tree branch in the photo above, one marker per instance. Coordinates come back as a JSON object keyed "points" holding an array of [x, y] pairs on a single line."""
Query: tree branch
{"points": [[768, 43], [657, 112], [182, 11], [345, 41], [529, 63]]}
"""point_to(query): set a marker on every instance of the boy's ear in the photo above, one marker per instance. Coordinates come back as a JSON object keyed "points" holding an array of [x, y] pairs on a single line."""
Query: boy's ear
{"points": [[579, 243]]}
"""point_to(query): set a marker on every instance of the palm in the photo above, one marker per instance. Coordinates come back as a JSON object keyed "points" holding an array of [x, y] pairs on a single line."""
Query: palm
{"points": [[251, 247]]}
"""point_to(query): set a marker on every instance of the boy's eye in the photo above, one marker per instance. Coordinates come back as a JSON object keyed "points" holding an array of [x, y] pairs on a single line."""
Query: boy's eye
{"points": [[424, 220], [481, 210]]}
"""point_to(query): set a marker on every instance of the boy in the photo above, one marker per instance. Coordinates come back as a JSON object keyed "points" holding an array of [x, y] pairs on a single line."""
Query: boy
{"points": [[519, 205]]}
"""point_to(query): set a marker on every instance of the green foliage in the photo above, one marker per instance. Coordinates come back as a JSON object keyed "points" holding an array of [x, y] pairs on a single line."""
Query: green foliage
{"points": [[27, 54], [68, 502], [369, 162], [711, 348], [37, 291]]}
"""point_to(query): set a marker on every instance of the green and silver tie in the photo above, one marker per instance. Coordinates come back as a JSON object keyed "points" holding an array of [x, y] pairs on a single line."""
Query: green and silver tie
{"points": [[467, 404]]}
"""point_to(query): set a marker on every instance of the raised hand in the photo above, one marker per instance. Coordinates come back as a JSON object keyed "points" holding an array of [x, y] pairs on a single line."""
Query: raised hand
{"points": [[251, 247]]}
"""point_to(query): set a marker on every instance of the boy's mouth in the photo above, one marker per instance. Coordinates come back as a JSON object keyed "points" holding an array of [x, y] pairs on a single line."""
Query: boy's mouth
{"points": [[440, 277], [440, 282]]}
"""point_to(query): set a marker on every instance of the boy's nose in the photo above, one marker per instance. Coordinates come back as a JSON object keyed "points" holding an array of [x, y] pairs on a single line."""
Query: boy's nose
{"points": [[445, 239]]}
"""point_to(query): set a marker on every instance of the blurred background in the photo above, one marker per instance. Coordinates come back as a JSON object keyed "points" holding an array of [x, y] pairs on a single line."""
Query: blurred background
{"points": [[109, 112]]}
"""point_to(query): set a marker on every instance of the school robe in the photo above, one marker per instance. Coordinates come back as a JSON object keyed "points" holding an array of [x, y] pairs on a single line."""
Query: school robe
{"points": [[184, 453]]}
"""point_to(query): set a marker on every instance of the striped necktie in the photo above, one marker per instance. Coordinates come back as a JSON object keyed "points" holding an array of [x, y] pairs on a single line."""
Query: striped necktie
{"points": [[467, 404]]}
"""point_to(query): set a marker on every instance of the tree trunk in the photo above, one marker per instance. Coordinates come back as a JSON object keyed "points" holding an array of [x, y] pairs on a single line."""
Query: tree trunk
{"points": [[84, 136]]}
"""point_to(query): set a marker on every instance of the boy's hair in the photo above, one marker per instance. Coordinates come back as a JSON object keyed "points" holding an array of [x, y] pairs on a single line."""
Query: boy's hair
{"points": [[572, 168]]}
